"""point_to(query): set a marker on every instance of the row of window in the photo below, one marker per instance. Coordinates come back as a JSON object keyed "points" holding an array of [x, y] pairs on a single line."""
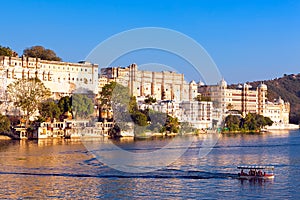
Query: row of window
{"points": [[52, 67]]}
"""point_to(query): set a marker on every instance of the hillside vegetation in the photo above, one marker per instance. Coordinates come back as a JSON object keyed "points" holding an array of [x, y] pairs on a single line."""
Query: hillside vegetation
{"points": [[288, 88]]}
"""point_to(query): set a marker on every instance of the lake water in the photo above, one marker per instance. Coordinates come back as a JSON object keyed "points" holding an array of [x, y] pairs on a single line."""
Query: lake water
{"points": [[66, 169]]}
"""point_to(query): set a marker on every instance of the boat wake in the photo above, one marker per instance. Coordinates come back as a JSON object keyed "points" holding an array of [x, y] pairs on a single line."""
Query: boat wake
{"points": [[167, 174]]}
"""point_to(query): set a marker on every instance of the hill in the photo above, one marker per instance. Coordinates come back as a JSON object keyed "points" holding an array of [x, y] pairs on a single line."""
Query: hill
{"points": [[288, 88]]}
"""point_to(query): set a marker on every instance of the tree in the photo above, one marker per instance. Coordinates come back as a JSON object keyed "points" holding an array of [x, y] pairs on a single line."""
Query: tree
{"points": [[232, 122], [132, 107], [41, 52], [254, 122], [6, 51], [157, 120], [106, 94], [82, 105], [140, 118], [172, 124], [49, 110], [4, 124], [116, 97], [202, 98], [268, 121], [150, 100], [65, 104], [27, 94]]}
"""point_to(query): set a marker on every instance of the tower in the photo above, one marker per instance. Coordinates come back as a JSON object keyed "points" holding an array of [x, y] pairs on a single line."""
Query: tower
{"points": [[262, 98], [193, 90]]}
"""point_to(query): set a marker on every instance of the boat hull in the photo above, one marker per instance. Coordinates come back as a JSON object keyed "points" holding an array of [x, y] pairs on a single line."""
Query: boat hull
{"points": [[256, 177]]}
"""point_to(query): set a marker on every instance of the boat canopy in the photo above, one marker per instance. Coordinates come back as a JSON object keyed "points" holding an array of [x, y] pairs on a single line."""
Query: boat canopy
{"points": [[256, 167]]}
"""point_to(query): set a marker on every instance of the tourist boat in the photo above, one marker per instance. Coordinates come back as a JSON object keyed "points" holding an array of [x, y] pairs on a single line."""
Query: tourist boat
{"points": [[256, 172]]}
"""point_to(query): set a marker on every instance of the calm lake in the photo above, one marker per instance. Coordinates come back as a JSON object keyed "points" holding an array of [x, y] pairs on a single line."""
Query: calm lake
{"points": [[66, 169]]}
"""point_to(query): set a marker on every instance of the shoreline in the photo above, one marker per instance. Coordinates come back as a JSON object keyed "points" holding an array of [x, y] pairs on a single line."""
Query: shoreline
{"points": [[5, 137]]}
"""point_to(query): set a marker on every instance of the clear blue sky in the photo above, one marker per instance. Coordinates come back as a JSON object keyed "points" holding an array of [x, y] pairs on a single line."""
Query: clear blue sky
{"points": [[248, 39]]}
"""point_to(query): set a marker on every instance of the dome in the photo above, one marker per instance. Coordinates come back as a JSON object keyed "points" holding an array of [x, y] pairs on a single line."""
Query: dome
{"points": [[280, 100], [200, 83], [192, 82], [262, 86], [223, 83]]}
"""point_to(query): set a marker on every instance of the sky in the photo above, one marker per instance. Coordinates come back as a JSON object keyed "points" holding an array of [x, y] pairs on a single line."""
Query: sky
{"points": [[247, 39]]}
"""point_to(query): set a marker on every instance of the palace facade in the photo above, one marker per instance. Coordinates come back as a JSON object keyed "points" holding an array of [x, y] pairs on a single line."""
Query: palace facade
{"points": [[246, 99], [165, 85], [62, 78]]}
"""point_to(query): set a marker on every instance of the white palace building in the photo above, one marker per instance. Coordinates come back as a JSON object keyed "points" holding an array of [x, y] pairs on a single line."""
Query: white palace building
{"points": [[62, 78]]}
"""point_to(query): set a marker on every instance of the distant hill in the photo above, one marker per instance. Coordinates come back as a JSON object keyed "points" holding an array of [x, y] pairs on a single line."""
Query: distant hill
{"points": [[288, 88]]}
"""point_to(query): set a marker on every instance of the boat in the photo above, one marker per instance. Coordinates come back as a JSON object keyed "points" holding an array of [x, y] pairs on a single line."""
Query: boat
{"points": [[256, 172]]}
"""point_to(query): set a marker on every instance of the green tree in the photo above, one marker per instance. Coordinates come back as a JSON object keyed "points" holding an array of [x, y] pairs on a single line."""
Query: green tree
{"points": [[65, 104], [132, 107], [41, 52], [82, 105], [150, 100], [139, 118], [268, 121], [27, 94], [232, 122], [106, 94], [49, 110], [116, 97], [6, 51], [172, 124], [157, 120], [254, 122], [4, 124], [202, 98]]}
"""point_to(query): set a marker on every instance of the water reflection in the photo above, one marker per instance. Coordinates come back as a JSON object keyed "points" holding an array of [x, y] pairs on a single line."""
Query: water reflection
{"points": [[66, 169]]}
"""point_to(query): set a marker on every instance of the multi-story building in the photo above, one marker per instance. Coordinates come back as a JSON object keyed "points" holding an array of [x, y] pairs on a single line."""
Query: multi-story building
{"points": [[197, 113], [62, 78], [277, 111], [246, 100], [165, 85]]}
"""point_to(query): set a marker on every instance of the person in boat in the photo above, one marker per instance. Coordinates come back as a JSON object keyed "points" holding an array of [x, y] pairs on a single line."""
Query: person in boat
{"points": [[250, 172], [260, 173], [243, 173]]}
